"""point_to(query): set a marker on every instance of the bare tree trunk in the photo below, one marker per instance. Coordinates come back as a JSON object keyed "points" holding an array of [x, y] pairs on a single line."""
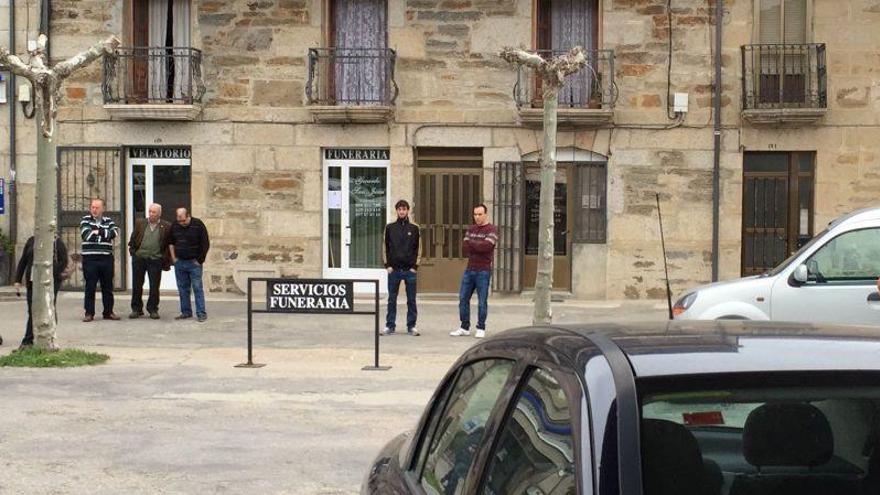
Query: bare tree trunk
{"points": [[544, 276], [45, 229]]}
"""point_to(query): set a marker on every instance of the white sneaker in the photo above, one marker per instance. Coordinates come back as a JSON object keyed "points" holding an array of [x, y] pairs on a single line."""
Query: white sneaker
{"points": [[461, 332], [386, 331], [413, 332], [480, 334]]}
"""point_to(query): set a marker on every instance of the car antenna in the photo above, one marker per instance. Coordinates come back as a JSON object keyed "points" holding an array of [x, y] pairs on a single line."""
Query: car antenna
{"points": [[665, 264]]}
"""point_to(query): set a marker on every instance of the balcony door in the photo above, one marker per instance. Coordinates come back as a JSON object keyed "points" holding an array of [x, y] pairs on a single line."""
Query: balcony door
{"points": [[560, 26], [159, 61], [360, 68], [783, 28]]}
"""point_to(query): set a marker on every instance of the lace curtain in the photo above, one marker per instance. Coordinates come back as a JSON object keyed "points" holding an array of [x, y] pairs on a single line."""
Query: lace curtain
{"points": [[361, 68]]}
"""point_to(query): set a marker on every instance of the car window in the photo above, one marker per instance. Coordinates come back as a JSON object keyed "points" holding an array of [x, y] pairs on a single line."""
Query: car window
{"points": [[769, 439], [461, 426], [851, 256], [535, 452]]}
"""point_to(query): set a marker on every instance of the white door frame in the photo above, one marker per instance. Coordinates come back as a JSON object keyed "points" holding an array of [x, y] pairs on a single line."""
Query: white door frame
{"points": [[345, 271], [168, 278]]}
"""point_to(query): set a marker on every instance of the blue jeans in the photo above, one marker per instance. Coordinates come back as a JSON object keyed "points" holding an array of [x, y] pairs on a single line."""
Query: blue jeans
{"points": [[189, 275], [409, 280], [474, 280]]}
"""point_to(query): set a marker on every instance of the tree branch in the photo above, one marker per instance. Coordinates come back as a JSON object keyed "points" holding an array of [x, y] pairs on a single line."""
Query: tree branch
{"points": [[518, 56], [96, 51], [14, 64]]}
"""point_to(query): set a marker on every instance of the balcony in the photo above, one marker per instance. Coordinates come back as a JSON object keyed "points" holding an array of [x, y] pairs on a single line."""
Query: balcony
{"points": [[153, 83], [351, 85], [784, 84], [586, 100]]}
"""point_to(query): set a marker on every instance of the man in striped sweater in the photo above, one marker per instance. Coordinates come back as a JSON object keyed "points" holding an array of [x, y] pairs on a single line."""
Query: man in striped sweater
{"points": [[98, 232]]}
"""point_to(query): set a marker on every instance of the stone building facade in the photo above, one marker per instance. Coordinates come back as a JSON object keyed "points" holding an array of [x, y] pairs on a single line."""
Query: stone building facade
{"points": [[315, 116]]}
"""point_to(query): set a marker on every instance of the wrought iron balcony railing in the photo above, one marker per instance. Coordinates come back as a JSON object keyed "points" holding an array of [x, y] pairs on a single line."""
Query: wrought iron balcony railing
{"points": [[591, 88], [351, 77], [156, 75], [777, 76]]}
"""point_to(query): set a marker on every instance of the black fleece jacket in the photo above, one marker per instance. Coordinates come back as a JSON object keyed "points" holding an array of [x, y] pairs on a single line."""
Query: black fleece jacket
{"points": [[402, 245]]}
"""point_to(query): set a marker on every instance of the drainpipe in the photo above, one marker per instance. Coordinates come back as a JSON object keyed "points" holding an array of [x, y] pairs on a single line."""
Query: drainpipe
{"points": [[716, 165], [12, 103]]}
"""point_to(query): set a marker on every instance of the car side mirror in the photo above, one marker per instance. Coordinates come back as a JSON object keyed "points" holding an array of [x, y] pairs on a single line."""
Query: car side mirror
{"points": [[801, 274]]}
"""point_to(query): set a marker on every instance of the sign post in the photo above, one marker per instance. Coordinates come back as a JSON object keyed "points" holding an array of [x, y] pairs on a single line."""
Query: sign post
{"points": [[310, 296]]}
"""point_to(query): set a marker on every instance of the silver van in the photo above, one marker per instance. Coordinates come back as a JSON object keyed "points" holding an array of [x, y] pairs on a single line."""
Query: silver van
{"points": [[832, 278]]}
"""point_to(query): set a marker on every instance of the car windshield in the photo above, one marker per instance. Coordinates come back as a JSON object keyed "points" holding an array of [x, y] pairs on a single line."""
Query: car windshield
{"points": [[791, 258], [771, 438]]}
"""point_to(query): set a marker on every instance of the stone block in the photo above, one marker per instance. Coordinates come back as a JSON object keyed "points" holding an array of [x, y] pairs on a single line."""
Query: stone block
{"points": [[277, 93], [490, 35], [452, 136], [271, 134], [287, 223], [224, 159]]}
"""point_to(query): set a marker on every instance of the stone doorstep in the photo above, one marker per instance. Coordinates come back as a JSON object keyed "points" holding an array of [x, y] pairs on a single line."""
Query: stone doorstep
{"points": [[784, 116], [332, 114], [568, 117], [153, 111]]}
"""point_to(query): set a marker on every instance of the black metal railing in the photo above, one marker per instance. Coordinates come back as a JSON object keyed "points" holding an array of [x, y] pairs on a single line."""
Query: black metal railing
{"points": [[351, 76], [784, 76], [165, 75], [592, 87]]}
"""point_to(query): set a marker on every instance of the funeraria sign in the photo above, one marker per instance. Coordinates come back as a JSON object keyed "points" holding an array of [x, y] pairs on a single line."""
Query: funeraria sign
{"points": [[153, 152], [356, 154], [309, 296]]}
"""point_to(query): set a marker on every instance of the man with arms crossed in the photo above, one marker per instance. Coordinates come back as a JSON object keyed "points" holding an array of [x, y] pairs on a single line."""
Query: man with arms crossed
{"points": [[479, 247], [98, 232]]}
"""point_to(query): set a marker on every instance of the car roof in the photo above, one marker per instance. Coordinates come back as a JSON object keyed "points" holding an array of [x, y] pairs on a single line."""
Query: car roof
{"points": [[860, 215], [670, 348]]}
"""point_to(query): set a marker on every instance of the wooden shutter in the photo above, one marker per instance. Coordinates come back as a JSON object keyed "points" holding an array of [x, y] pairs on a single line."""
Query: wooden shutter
{"points": [[795, 21], [770, 21]]}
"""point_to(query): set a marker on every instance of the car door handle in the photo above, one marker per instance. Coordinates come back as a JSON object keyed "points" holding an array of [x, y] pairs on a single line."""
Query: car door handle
{"points": [[874, 297]]}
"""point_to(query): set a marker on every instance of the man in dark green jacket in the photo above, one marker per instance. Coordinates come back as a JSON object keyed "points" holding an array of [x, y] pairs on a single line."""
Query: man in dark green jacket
{"points": [[148, 247]]}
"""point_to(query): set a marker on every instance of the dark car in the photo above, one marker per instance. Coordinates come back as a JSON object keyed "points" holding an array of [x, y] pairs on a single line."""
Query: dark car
{"points": [[685, 408]]}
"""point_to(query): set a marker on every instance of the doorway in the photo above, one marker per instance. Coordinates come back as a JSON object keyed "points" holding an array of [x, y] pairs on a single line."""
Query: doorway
{"points": [[777, 207], [356, 199], [562, 225], [448, 185], [163, 176]]}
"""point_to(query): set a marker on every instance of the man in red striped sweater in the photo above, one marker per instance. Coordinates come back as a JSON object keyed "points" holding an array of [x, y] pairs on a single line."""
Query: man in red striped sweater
{"points": [[479, 247]]}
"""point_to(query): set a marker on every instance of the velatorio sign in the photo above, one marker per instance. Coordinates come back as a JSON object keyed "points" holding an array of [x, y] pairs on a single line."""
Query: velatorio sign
{"points": [[159, 152], [309, 296]]}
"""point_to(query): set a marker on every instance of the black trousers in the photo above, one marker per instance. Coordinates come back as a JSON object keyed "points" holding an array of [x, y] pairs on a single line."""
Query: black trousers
{"points": [[98, 268], [153, 270], [29, 328]]}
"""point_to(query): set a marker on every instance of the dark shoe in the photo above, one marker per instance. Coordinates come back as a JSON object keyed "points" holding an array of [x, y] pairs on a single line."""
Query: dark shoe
{"points": [[88, 318], [136, 314], [23, 347], [112, 316], [202, 318], [154, 315], [183, 317]]}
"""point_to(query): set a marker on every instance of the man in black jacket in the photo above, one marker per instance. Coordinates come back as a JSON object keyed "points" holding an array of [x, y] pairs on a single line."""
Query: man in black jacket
{"points": [[24, 272], [189, 244], [401, 254]]}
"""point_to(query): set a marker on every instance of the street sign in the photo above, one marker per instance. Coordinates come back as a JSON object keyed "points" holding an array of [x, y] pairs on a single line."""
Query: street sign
{"points": [[2, 196], [309, 296]]}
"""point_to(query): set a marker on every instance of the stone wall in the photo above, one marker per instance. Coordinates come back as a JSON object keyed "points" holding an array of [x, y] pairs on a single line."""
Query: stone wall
{"points": [[256, 153]]}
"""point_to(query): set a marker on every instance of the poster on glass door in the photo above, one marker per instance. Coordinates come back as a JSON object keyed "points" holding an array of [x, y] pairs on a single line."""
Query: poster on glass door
{"points": [[356, 200]]}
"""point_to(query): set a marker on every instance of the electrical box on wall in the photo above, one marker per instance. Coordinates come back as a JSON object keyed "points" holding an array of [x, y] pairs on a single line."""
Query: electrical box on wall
{"points": [[2, 88], [24, 93], [680, 103]]}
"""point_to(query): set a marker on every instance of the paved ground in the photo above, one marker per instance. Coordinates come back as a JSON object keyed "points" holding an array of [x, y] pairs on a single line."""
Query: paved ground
{"points": [[170, 414]]}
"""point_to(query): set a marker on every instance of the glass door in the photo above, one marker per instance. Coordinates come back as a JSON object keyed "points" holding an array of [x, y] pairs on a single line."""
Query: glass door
{"points": [[357, 204], [162, 181]]}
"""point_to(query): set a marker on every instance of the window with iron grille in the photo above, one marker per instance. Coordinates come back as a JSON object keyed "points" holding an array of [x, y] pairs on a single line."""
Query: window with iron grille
{"points": [[589, 206]]}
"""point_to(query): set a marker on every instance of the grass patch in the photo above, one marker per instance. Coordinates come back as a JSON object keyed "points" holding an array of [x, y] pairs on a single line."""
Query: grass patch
{"points": [[66, 358]]}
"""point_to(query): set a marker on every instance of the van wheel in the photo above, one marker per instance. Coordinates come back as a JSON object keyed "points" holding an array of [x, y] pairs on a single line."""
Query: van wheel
{"points": [[733, 317]]}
